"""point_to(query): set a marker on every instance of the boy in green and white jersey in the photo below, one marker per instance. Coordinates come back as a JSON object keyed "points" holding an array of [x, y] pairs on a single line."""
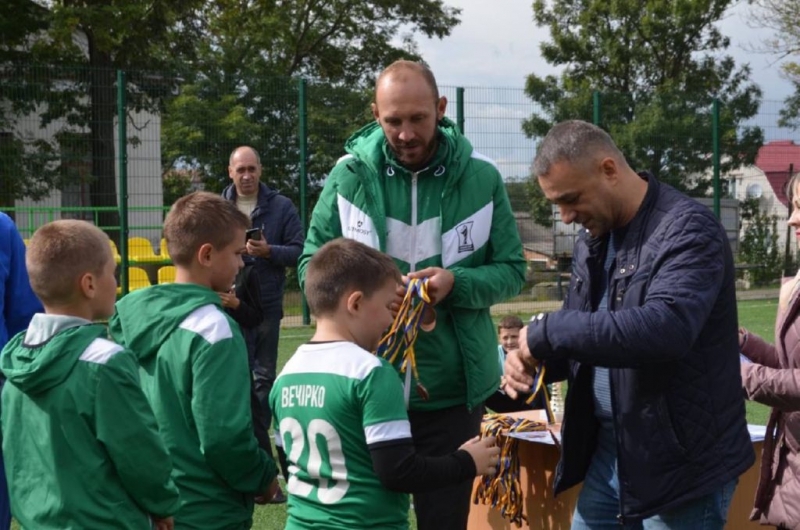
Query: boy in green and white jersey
{"points": [[80, 442], [194, 368], [340, 409]]}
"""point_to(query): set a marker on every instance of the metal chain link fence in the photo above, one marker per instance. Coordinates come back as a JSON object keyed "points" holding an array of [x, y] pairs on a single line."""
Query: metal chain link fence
{"points": [[65, 154]]}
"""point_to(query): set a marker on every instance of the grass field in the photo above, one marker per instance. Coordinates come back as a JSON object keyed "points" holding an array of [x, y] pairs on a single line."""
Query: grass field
{"points": [[758, 316]]}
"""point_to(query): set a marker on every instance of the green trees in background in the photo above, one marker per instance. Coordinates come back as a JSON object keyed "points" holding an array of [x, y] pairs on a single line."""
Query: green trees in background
{"points": [[759, 245], [783, 18], [541, 209], [16, 22], [240, 90], [83, 42], [659, 64], [216, 71], [525, 195]]}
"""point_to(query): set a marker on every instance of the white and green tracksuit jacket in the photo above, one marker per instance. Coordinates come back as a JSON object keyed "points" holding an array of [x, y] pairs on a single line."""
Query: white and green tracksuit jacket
{"points": [[195, 375], [81, 445], [454, 214]]}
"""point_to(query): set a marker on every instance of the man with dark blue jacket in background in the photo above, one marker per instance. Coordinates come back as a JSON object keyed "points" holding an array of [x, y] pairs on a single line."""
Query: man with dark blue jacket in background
{"points": [[655, 423], [279, 245]]}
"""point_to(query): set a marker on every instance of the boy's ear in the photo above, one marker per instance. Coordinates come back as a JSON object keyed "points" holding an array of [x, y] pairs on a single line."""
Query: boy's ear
{"points": [[354, 301], [86, 285], [204, 254]]}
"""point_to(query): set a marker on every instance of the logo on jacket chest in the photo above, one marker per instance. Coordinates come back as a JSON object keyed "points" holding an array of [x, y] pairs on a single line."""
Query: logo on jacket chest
{"points": [[356, 224], [359, 227], [465, 243]]}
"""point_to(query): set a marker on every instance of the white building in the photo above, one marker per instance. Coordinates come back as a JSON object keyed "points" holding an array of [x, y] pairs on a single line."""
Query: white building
{"points": [[766, 180], [72, 143]]}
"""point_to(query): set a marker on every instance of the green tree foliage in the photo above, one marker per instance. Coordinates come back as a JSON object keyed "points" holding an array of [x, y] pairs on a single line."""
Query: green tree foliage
{"points": [[525, 195], [219, 72], [790, 113], [657, 65], [759, 244], [243, 86], [783, 18], [18, 19], [541, 209], [517, 190], [89, 40]]}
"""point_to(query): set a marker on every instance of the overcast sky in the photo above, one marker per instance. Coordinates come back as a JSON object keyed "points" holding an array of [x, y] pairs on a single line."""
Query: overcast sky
{"points": [[497, 44]]}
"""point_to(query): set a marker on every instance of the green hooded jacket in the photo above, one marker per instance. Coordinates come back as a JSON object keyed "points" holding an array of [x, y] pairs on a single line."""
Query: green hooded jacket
{"points": [[453, 214], [195, 374], [80, 443]]}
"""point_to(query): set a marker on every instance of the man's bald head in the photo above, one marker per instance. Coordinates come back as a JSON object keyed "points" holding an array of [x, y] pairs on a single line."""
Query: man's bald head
{"points": [[402, 69]]}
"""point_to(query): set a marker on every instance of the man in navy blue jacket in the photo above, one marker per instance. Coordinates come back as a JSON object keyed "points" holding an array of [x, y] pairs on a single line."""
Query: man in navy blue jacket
{"points": [[654, 424], [18, 304], [279, 246]]}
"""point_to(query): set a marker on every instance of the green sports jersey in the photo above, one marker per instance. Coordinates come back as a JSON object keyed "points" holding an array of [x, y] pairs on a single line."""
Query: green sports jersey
{"points": [[331, 401]]}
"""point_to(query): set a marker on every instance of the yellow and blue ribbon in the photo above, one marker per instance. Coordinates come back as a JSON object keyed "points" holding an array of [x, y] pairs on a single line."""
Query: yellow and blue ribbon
{"points": [[539, 386], [503, 490], [400, 339]]}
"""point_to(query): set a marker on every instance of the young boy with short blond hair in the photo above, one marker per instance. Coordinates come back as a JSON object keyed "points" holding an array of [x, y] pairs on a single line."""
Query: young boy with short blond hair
{"points": [[81, 445], [340, 409], [194, 366]]}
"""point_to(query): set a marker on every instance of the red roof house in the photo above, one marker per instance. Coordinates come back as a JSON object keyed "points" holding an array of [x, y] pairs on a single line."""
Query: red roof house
{"points": [[779, 160]]}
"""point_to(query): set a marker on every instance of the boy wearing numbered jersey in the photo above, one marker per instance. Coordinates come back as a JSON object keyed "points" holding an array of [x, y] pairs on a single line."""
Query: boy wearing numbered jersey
{"points": [[340, 410]]}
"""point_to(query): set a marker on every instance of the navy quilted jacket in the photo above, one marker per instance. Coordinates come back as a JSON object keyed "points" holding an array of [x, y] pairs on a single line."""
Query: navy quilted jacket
{"points": [[277, 217], [670, 339]]}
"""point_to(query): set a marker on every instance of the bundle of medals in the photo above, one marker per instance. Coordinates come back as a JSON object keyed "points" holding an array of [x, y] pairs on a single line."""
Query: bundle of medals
{"points": [[503, 491], [399, 340]]}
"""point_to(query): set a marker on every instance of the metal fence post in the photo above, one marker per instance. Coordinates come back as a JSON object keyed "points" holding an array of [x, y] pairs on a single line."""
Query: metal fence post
{"points": [[596, 107], [122, 168], [788, 269], [715, 141], [460, 108], [302, 137]]}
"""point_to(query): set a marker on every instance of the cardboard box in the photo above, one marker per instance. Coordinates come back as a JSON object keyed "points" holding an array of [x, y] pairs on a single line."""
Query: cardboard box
{"points": [[537, 471]]}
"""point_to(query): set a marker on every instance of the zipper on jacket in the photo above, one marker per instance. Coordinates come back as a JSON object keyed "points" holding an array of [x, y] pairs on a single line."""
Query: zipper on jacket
{"points": [[413, 264], [620, 294], [620, 516], [617, 437]]}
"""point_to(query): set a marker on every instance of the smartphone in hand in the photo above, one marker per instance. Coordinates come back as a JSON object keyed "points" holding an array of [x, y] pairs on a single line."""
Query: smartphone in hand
{"points": [[253, 233]]}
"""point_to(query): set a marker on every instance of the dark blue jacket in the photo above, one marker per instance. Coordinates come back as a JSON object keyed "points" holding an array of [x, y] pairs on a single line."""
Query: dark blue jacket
{"points": [[670, 339], [18, 303], [277, 217]]}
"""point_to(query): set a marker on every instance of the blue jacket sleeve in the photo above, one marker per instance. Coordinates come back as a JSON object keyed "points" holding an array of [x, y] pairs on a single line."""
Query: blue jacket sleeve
{"points": [[291, 245], [684, 283], [19, 301]]}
